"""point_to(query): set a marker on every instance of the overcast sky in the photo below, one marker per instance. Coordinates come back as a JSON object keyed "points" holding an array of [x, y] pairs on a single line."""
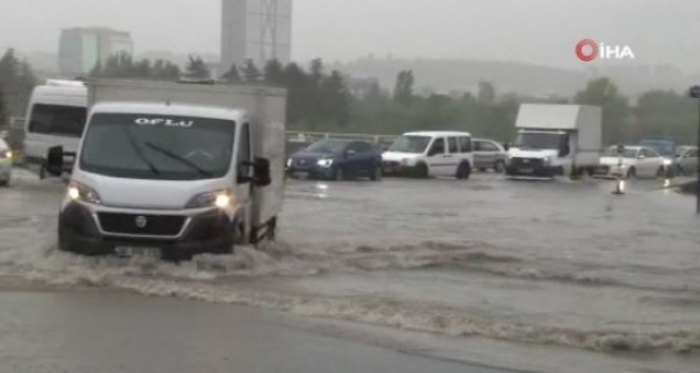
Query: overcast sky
{"points": [[537, 31]]}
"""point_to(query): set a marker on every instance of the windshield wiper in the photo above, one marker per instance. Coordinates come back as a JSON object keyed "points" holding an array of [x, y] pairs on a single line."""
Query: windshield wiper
{"points": [[139, 151], [180, 159]]}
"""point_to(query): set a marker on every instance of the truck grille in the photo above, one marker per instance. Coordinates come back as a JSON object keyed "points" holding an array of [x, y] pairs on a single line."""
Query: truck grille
{"points": [[527, 163], [148, 225]]}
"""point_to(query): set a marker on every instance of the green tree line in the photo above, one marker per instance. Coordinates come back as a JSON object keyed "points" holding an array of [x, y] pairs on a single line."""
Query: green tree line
{"points": [[322, 100], [16, 83]]}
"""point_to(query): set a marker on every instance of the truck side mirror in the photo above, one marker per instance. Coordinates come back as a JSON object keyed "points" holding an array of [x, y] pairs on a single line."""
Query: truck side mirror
{"points": [[261, 171], [54, 161]]}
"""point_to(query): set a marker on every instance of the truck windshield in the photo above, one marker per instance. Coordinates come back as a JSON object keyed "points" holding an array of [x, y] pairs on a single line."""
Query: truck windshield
{"points": [[410, 144], [539, 140], [59, 120], [157, 147]]}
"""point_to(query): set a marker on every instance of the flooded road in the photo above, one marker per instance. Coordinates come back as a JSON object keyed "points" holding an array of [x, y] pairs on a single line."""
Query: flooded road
{"points": [[539, 276]]}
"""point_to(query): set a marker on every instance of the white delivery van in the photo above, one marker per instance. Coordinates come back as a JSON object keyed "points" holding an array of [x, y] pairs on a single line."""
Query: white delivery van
{"points": [[556, 140], [174, 169], [55, 117], [430, 154]]}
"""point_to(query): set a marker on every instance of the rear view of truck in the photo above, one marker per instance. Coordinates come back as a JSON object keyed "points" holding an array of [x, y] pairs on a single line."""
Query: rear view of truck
{"points": [[173, 170]]}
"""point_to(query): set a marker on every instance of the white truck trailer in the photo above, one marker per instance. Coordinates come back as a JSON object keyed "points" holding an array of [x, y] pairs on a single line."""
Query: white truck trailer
{"points": [[174, 169], [556, 140]]}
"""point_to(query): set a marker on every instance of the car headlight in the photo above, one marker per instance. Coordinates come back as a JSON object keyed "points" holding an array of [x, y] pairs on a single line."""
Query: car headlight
{"points": [[221, 199], [325, 162], [7, 154], [81, 192], [667, 162], [548, 160], [289, 163]]}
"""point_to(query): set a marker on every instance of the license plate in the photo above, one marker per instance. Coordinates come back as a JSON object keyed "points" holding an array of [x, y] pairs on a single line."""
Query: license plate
{"points": [[527, 170], [301, 174], [146, 252]]}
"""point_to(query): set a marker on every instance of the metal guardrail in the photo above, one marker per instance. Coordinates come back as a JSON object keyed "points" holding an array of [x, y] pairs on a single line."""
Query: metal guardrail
{"points": [[296, 140]]}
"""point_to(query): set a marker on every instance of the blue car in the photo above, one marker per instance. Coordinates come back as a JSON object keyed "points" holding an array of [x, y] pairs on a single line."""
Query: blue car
{"points": [[336, 160]]}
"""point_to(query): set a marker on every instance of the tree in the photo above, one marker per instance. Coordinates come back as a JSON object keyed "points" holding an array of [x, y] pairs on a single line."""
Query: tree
{"points": [[403, 91], [197, 69], [274, 72], [3, 114], [232, 75], [17, 80], [143, 69], [604, 93], [251, 73], [665, 113], [487, 93], [336, 104]]}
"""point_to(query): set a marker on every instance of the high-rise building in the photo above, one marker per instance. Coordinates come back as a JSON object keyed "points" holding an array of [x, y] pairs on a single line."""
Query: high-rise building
{"points": [[81, 49], [259, 30]]}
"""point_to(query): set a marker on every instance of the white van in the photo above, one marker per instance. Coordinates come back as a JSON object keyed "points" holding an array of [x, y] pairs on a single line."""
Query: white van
{"points": [[55, 117], [430, 154], [173, 170]]}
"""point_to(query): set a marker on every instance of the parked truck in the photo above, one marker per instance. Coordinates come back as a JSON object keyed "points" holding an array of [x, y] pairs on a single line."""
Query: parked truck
{"points": [[172, 170], [555, 140]]}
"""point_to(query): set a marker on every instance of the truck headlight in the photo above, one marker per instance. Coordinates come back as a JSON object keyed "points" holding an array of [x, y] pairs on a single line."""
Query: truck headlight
{"points": [[81, 192], [6, 154], [221, 199], [325, 162]]}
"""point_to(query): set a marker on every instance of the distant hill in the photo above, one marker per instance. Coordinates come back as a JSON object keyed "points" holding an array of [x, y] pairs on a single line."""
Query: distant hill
{"points": [[516, 77]]}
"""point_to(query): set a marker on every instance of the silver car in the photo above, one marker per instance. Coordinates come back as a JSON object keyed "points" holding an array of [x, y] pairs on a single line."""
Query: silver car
{"points": [[489, 154], [687, 161]]}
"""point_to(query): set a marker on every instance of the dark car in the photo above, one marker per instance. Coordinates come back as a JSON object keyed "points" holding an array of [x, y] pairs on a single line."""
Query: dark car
{"points": [[336, 160]]}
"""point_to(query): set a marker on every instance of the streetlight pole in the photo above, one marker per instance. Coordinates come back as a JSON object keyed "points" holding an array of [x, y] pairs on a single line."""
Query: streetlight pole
{"points": [[695, 93]]}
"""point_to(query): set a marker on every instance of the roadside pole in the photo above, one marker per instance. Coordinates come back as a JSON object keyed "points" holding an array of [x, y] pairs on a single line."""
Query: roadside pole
{"points": [[695, 93]]}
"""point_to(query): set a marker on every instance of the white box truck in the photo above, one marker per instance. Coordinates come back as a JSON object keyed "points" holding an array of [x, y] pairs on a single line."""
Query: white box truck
{"points": [[174, 169], [555, 140]]}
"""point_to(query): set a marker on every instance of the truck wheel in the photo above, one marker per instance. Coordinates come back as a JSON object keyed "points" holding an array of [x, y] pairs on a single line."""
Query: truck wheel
{"points": [[499, 167], [422, 170], [464, 171]]}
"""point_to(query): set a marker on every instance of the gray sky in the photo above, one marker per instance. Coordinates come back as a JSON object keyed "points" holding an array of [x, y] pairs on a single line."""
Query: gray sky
{"points": [[537, 31]]}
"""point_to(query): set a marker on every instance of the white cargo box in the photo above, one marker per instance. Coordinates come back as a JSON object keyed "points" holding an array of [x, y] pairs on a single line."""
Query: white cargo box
{"points": [[585, 120]]}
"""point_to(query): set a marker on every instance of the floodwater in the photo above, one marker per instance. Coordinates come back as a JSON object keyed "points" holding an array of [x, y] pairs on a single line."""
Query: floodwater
{"points": [[541, 276]]}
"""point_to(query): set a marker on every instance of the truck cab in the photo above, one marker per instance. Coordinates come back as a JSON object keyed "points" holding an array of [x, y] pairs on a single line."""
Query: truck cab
{"points": [[173, 176], [555, 140]]}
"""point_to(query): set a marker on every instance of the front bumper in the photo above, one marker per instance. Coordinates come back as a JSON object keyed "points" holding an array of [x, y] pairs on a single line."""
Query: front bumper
{"points": [[534, 171], [208, 232]]}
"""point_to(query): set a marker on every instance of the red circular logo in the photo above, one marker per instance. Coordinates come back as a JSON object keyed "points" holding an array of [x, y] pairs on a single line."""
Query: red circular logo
{"points": [[587, 55]]}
